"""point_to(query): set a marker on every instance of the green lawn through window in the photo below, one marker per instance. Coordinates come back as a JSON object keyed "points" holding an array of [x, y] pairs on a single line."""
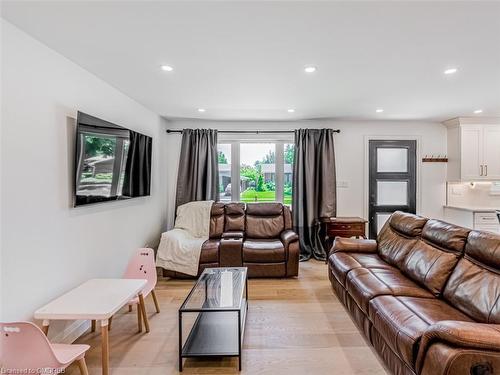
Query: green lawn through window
{"points": [[251, 195]]}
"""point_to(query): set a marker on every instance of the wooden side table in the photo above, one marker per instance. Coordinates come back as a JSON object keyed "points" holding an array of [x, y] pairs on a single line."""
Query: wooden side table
{"points": [[332, 227]]}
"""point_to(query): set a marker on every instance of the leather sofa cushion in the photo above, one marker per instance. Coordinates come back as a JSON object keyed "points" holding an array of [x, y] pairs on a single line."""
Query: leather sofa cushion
{"points": [[475, 290], [407, 224], [341, 263], [264, 209], [446, 236], [398, 236], [264, 226], [216, 220], [235, 208], [235, 217], [429, 266], [263, 251], [235, 223], [484, 247], [401, 321], [363, 284], [210, 251]]}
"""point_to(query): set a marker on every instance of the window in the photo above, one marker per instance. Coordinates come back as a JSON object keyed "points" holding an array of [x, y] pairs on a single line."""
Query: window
{"points": [[264, 171], [288, 155], [258, 172], [224, 160]]}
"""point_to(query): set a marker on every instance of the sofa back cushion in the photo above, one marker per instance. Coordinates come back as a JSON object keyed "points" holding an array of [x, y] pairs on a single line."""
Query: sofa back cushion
{"points": [[235, 217], [435, 255], [216, 220], [264, 220], [287, 212], [474, 285], [398, 236]]}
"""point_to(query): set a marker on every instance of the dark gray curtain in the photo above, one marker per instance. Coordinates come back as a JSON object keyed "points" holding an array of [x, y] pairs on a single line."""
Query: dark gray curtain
{"points": [[137, 178], [198, 176], [314, 187]]}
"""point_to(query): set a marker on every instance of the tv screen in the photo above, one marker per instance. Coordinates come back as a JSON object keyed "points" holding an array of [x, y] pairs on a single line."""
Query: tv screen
{"points": [[111, 162]]}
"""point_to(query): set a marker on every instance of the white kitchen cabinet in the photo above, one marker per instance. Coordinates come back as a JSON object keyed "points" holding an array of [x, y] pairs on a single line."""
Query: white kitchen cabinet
{"points": [[491, 151], [473, 150]]}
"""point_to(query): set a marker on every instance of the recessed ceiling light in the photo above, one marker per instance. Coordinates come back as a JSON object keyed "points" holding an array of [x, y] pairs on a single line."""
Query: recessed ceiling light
{"points": [[451, 71], [167, 68], [478, 111], [291, 110], [202, 110], [379, 110], [310, 69]]}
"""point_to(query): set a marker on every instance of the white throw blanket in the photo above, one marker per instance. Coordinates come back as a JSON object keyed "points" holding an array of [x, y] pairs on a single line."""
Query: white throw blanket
{"points": [[180, 248]]}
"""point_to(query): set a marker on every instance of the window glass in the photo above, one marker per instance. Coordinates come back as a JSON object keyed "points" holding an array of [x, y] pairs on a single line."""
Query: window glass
{"points": [[224, 160], [289, 152], [258, 172]]}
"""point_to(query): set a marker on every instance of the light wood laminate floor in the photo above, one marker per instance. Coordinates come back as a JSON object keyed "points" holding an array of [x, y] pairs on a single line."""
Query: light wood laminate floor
{"points": [[294, 326]]}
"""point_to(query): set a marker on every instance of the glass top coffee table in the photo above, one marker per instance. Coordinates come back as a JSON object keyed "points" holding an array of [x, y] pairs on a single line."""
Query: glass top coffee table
{"points": [[213, 315]]}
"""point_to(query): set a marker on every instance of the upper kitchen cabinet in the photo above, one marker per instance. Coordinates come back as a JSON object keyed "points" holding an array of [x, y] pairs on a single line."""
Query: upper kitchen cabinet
{"points": [[473, 149]]}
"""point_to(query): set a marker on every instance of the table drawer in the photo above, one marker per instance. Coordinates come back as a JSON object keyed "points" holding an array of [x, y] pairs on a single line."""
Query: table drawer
{"points": [[344, 227], [345, 234]]}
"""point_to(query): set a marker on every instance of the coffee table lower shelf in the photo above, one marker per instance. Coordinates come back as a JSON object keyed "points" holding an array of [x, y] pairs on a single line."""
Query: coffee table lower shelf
{"points": [[214, 334]]}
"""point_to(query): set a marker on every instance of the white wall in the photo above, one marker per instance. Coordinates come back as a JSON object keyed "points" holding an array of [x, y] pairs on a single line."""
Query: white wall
{"points": [[350, 147], [48, 247]]}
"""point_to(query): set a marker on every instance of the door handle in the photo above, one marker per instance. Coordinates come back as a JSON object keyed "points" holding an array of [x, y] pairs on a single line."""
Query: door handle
{"points": [[481, 173], [486, 170]]}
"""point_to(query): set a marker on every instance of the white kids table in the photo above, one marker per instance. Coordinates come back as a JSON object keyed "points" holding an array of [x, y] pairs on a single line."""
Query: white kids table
{"points": [[95, 299]]}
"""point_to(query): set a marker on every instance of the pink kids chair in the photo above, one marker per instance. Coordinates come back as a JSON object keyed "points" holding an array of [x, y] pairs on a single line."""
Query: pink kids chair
{"points": [[24, 348], [142, 266]]}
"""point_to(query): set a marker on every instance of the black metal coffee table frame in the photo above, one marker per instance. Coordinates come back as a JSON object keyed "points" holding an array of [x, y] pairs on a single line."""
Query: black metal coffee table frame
{"points": [[213, 333]]}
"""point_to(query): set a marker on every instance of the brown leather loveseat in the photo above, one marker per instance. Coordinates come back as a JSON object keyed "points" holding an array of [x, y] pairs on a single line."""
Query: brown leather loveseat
{"points": [[258, 236], [426, 294]]}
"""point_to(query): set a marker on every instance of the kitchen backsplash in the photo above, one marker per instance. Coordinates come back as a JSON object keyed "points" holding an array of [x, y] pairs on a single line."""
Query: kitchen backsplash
{"points": [[476, 194]]}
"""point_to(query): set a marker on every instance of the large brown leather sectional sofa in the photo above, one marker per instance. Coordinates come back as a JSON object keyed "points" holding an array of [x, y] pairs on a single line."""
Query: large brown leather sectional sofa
{"points": [[426, 294], [257, 235]]}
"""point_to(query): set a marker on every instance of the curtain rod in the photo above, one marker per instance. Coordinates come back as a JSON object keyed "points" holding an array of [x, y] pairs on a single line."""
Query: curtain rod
{"points": [[248, 131]]}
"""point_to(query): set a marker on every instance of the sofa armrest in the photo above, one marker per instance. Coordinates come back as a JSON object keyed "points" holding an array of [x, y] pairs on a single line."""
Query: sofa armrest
{"points": [[232, 234], [353, 245], [287, 237], [230, 252], [462, 335]]}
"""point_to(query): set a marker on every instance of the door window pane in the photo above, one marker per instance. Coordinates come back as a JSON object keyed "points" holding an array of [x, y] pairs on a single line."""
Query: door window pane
{"points": [[258, 172], [392, 193], [289, 151], [392, 160], [381, 219], [224, 160]]}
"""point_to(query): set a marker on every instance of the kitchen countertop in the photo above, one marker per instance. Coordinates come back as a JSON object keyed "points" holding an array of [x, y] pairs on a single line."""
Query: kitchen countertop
{"points": [[473, 209]]}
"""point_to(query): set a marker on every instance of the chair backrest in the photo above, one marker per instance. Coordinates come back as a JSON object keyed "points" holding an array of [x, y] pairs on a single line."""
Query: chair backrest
{"points": [[142, 266], [264, 220], [398, 236], [234, 217], [474, 285], [23, 346], [216, 220]]}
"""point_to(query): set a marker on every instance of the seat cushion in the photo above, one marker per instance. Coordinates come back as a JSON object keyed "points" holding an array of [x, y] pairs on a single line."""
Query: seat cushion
{"points": [[263, 251], [401, 321], [210, 252], [341, 263], [363, 284]]}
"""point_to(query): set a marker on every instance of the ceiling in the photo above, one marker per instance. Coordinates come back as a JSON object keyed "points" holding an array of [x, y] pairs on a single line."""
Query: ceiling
{"points": [[245, 60]]}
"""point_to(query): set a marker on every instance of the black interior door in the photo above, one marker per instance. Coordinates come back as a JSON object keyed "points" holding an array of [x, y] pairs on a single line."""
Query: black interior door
{"points": [[392, 180]]}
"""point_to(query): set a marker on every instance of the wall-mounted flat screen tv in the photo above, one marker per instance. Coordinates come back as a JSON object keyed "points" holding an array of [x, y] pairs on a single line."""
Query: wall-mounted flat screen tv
{"points": [[111, 162]]}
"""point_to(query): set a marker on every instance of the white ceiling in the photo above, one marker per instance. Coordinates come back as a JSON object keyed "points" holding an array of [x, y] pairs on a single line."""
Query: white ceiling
{"points": [[244, 60]]}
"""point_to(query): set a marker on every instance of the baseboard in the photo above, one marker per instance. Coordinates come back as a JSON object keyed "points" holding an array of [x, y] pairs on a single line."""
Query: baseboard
{"points": [[72, 332]]}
